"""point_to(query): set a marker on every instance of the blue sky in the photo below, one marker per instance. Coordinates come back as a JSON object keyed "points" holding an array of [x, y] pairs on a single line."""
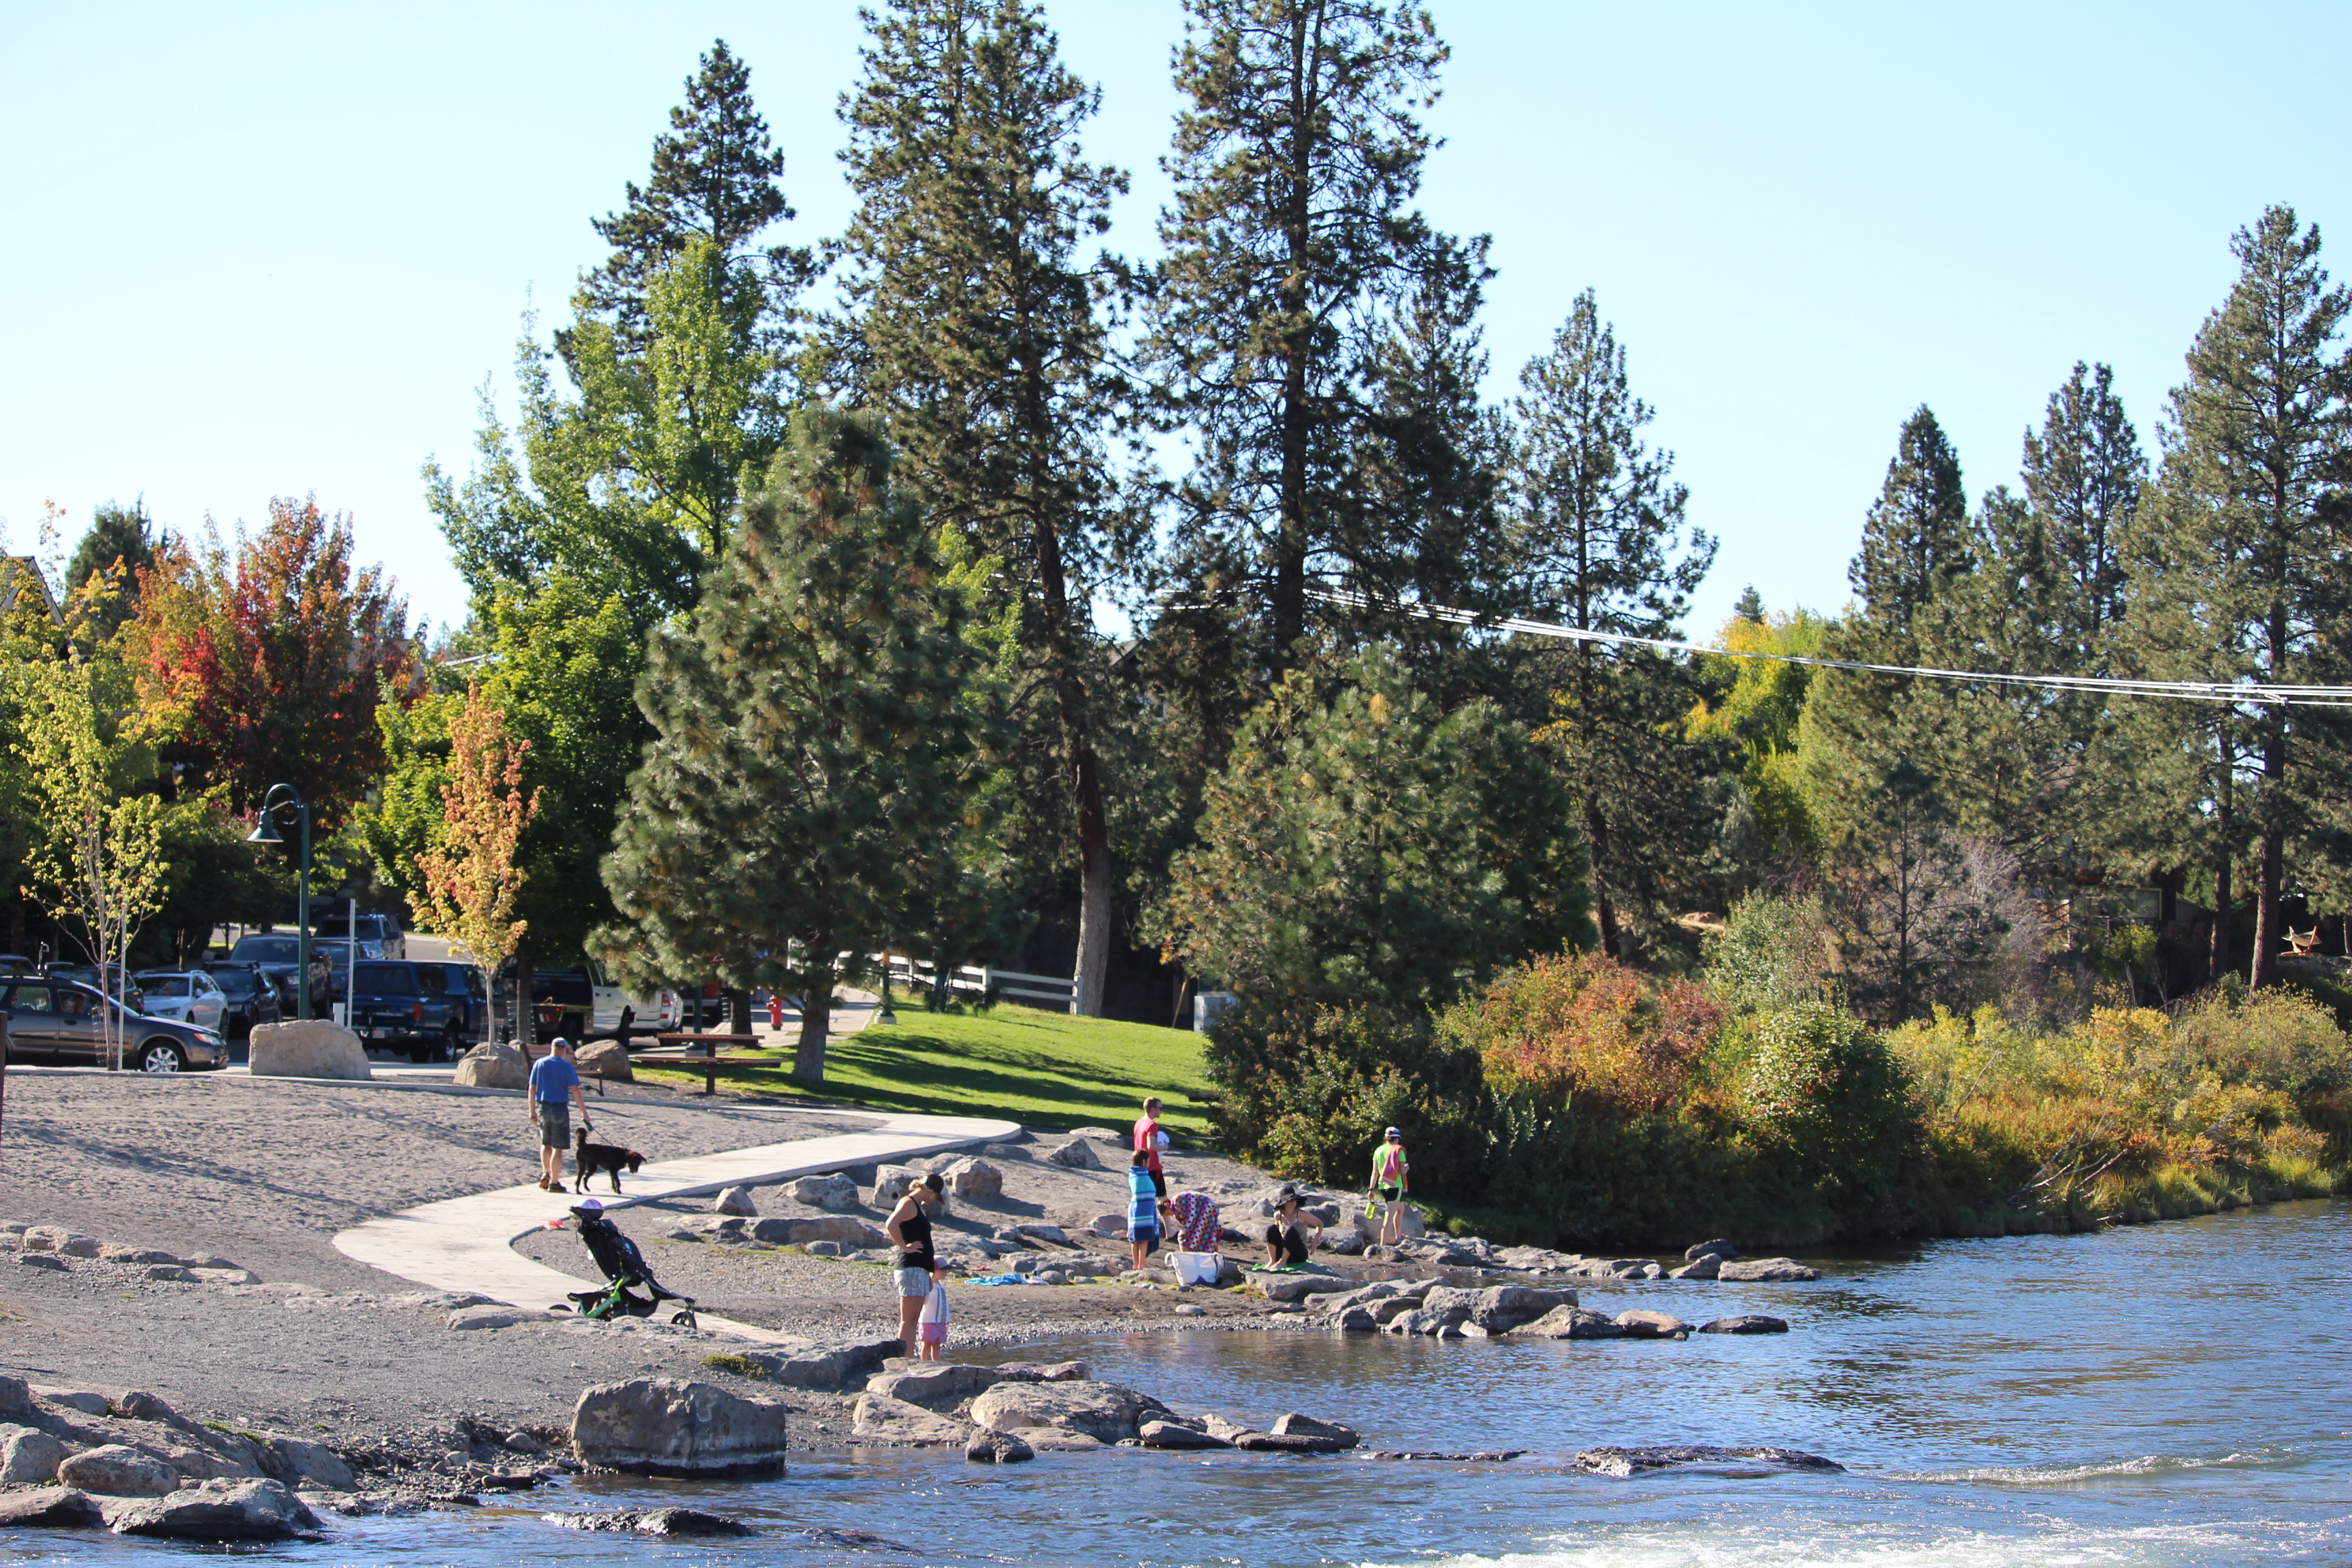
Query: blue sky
{"points": [[252, 250]]}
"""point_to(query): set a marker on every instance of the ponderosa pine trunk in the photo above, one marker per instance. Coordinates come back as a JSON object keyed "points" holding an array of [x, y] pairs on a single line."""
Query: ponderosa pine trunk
{"points": [[816, 1016]]}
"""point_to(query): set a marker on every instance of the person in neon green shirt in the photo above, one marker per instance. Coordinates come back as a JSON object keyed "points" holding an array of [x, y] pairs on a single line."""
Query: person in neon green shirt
{"points": [[1391, 1178]]}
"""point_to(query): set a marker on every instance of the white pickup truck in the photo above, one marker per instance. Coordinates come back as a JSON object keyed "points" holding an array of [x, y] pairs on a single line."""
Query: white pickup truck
{"points": [[585, 1001]]}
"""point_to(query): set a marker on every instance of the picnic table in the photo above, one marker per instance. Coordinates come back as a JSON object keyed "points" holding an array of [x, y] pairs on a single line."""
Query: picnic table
{"points": [[709, 1061]]}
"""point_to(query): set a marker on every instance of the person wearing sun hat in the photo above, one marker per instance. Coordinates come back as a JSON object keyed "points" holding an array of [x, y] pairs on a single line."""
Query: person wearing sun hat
{"points": [[1391, 1178]]}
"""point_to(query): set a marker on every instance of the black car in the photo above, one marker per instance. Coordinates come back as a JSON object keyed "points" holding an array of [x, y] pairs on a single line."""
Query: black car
{"points": [[253, 997], [54, 1019], [278, 954], [430, 1010]]}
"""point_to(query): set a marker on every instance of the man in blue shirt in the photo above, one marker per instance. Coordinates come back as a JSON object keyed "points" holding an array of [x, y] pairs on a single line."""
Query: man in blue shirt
{"points": [[555, 1084]]}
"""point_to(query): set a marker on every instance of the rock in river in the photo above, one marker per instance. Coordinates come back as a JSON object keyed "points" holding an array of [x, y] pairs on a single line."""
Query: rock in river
{"points": [[1746, 1323], [28, 1457], [217, 1510], [1640, 1461], [997, 1448], [653, 1521], [1106, 1412], [1641, 1325], [1766, 1270], [671, 1426]]}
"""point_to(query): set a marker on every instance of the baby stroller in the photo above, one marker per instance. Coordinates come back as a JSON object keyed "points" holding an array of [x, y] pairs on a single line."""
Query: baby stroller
{"points": [[626, 1268]]}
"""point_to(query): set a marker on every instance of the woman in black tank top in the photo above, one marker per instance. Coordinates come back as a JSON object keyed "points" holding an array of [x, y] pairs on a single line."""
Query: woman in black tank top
{"points": [[910, 1229]]}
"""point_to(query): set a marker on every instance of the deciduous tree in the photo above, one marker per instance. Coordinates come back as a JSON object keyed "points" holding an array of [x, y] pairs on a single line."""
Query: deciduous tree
{"points": [[471, 874]]}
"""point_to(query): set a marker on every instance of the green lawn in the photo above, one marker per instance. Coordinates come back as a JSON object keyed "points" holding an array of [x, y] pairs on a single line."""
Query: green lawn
{"points": [[1042, 1069]]}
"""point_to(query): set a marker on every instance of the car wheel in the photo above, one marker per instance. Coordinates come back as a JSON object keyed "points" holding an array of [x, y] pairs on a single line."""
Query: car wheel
{"points": [[453, 1042], [159, 1056]]}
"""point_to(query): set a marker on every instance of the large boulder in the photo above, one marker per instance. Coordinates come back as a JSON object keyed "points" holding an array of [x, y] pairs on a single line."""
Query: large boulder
{"points": [[1282, 1287], [1294, 1425], [882, 1420], [942, 1384], [1106, 1412], [1572, 1324], [1502, 1308], [1077, 1154], [827, 1368], [308, 1048], [493, 1065], [890, 1183], [56, 1508], [1718, 1247], [997, 1448], [782, 1230], [1369, 1226], [15, 1399], [1766, 1270], [975, 1179], [217, 1510], [607, 1059], [1645, 1325], [734, 1201], [28, 1456], [835, 1192], [1705, 1266], [117, 1469], [314, 1462], [671, 1426]]}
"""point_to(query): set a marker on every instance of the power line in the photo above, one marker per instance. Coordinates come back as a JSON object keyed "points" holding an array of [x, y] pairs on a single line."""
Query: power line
{"points": [[2185, 691]]}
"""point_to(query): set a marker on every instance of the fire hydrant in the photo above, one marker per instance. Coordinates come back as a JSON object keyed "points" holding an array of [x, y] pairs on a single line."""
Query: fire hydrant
{"points": [[775, 1010]]}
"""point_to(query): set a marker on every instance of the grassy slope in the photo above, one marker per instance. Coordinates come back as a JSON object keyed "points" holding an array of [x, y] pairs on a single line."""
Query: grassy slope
{"points": [[1039, 1068]]}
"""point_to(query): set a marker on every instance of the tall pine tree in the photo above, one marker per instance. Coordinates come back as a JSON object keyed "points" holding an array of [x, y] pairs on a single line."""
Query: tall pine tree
{"points": [[807, 771], [979, 333], [1295, 164], [715, 179], [1601, 542], [2243, 569]]}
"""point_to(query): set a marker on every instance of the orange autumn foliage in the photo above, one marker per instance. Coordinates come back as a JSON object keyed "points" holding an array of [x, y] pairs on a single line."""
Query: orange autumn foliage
{"points": [[1584, 1025]]}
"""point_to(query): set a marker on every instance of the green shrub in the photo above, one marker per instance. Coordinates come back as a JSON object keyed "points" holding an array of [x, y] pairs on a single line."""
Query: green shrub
{"points": [[1825, 1093]]}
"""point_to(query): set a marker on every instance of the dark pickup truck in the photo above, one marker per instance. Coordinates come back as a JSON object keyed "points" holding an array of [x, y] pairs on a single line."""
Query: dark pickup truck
{"points": [[435, 1012]]}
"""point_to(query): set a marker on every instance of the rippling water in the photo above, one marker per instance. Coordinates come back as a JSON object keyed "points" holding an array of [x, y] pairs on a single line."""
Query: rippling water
{"points": [[2166, 1394]]}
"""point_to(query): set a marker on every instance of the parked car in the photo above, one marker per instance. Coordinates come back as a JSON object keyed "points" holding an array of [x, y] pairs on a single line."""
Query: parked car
{"points": [[189, 995], [87, 974], [379, 935], [55, 1019], [251, 998], [432, 1011], [278, 953]]}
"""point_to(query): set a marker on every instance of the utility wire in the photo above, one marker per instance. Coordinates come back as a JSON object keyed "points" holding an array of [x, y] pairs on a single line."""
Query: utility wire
{"points": [[2187, 690]]}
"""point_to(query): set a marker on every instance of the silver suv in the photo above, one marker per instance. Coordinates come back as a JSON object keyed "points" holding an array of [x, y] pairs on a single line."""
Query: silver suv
{"points": [[378, 933]]}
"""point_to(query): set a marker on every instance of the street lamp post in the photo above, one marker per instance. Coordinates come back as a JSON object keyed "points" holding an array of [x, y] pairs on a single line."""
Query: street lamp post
{"points": [[264, 831]]}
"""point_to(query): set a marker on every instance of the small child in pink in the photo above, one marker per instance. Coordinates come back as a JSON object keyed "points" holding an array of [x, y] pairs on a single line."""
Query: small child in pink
{"points": [[934, 1322]]}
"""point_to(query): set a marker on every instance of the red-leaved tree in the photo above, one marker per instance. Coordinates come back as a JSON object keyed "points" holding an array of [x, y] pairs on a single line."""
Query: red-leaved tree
{"points": [[271, 657]]}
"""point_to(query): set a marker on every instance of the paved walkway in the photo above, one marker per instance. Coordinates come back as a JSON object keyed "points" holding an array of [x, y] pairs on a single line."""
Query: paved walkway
{"points": [[468, 1244]]}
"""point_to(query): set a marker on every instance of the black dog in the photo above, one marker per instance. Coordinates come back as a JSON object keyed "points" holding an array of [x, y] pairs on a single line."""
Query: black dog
{"points": [[589, 1158]]}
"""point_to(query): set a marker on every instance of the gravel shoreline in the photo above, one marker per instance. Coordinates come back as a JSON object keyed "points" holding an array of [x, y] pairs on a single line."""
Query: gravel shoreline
{"points": [[261, 1174]]}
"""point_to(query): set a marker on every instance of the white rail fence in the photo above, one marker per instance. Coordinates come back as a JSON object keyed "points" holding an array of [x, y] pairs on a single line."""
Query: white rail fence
{"points": [[971, 980]]}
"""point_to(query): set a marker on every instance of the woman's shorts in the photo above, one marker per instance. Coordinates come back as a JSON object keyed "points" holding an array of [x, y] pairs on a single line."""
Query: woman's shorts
{"points": [[914, 1281], [554, 1124], [1148, 1235], [1389, 1191]]}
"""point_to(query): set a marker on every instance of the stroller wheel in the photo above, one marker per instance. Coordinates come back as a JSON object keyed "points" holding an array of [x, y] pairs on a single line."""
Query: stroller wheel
{"points": [[683, 1320]]}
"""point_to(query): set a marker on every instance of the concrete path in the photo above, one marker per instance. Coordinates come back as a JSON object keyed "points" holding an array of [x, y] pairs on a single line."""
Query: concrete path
{"points": [[467, 1244]]}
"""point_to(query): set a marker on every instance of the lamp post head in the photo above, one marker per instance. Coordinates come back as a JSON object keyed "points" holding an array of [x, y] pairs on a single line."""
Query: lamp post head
{"points": [[264, 832]]}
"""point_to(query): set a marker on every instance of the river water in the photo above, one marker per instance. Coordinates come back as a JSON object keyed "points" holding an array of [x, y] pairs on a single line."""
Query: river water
{"points": [[2173, 1393]]}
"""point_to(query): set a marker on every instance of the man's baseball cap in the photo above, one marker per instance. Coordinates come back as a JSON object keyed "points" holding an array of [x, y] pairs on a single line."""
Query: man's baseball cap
{"points": [[559, 1044], [1391, 1132]]}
